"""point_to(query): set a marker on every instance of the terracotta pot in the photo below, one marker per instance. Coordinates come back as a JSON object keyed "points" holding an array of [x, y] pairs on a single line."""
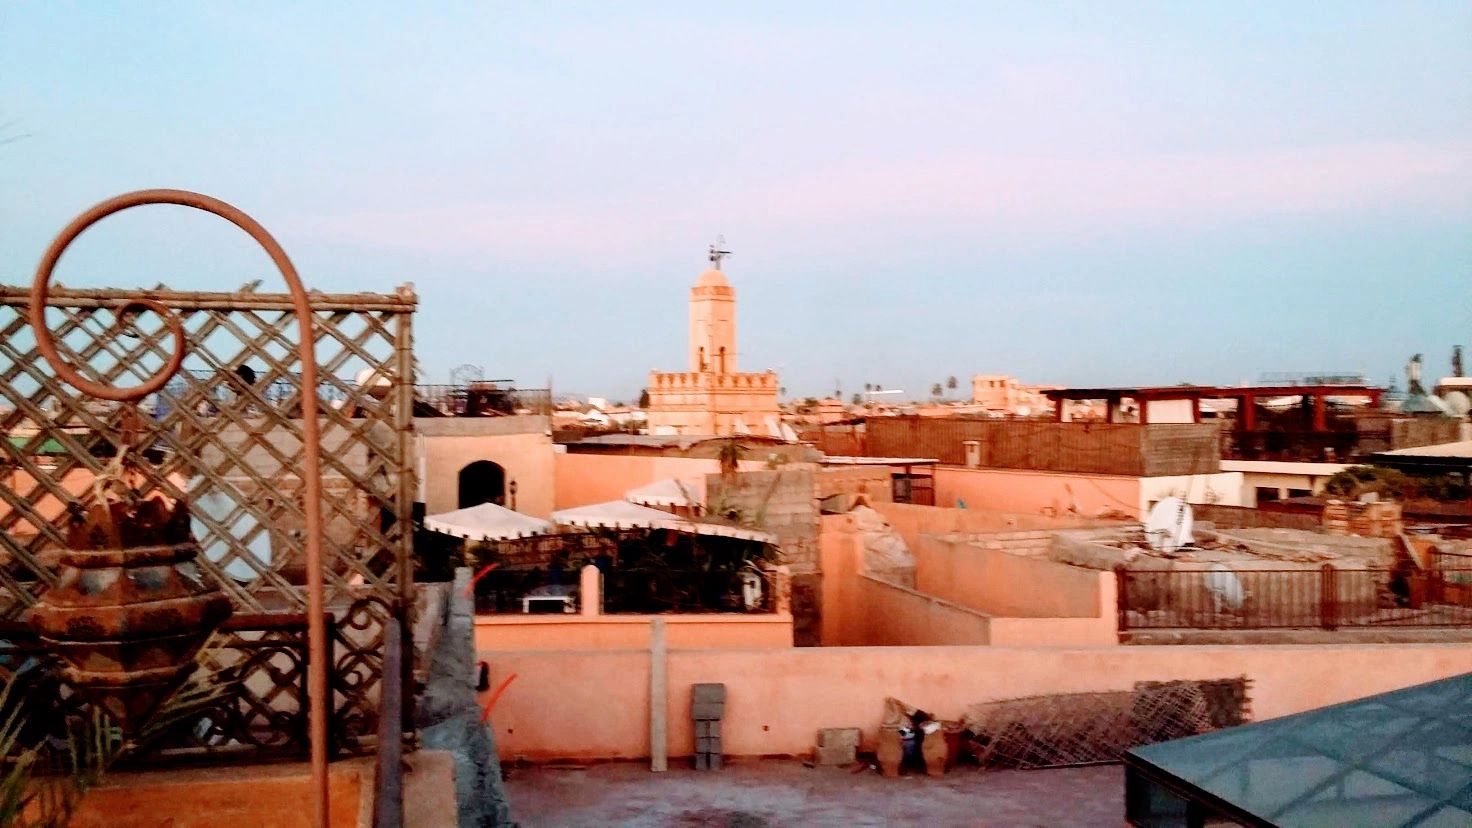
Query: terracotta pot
{"points": [[131, 609]]}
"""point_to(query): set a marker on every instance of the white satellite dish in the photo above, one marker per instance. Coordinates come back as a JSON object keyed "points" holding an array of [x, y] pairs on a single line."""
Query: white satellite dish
{"points": [[374, 382], [1168, 526], [1224, 587], [1457, 403]]}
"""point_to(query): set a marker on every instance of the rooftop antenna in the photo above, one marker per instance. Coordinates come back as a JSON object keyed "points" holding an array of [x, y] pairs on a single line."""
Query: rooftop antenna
{"points": [[466, 374], [718, 252]]}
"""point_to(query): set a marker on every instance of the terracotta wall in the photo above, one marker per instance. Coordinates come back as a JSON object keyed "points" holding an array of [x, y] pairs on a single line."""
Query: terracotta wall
{"points": [[912, 521], [893, 615], [964, 595], [571, 631], [594, 478], [527, 458], [1030, 492], [46, 505], [840, 559], [594, 704], [1003, 584], [875, 483]]}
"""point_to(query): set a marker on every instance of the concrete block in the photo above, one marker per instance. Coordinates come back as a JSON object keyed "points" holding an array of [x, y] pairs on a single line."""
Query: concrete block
{"points": [[702, 761], [715, 761], [708, 744], [835, 755], [707, 710], [707, 727], [708, 693], [839, 737]]}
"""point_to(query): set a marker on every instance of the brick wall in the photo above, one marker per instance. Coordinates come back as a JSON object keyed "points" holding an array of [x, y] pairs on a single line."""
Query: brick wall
{"points": [[1087, 448], [784, 502], [873, 482]]}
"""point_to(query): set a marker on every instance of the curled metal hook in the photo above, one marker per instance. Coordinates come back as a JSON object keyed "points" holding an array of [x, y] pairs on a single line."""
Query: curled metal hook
{"points": [[41, 296], [311, 471]]}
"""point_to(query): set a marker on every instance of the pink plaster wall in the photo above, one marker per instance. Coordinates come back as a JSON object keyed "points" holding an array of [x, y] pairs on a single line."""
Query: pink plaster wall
{"points": [[840, 561], [594, 478], [1004, 584], [572, 632], [911, 521], [45, 504], [894, 615], [1008, 490], [594, 704], [963, 595]]}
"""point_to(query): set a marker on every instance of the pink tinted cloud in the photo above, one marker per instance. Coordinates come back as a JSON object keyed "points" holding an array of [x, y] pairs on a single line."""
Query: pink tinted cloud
{"points": [[978, 192]]}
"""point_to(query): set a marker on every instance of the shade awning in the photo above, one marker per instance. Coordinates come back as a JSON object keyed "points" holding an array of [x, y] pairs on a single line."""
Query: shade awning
{"points": [[621, 514], [487, 521], [669, 492], [614, 514]]}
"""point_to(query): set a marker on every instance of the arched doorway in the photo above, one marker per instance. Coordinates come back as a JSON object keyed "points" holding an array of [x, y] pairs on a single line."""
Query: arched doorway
{"points": [[482, 482]]}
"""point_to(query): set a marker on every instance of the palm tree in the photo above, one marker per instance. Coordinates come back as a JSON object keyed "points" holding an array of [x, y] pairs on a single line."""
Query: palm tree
{"points": [[935, 390], [729, 457], [951, 382]]}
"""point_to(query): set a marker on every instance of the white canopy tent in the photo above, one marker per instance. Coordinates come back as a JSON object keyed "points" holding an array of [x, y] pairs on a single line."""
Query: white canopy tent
{"points": [[621, 514], [670, 492], [487, 522]]}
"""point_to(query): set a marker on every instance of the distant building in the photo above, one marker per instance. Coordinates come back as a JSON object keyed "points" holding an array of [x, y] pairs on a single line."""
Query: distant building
{"points": [[1002, 394], [713, 398]]}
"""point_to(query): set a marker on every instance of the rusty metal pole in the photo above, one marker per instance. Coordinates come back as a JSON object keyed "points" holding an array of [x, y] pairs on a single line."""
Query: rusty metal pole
{"points": [[318, 698]]}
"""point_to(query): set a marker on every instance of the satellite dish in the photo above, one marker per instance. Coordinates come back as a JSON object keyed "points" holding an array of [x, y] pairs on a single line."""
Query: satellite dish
{"points": [[373, 382], [1224, 587], [1457, 403], [1168, 526], [466, 374]]}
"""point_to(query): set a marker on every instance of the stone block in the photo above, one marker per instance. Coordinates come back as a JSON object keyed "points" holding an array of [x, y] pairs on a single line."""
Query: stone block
{"points": [[835, 755], [708, 693], [707, 727], [702, 761], [839, 737]]}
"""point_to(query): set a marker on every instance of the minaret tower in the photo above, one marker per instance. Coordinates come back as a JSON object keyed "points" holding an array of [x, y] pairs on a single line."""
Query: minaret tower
{"points": [[713, 318]]}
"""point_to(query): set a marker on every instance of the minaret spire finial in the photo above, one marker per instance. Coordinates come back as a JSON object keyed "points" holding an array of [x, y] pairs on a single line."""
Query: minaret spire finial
{"points": [[718, 252]]}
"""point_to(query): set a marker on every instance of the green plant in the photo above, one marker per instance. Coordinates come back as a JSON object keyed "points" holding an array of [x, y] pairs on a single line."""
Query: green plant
{"points": [[1357, 480], [46, 777], [729, 457]]}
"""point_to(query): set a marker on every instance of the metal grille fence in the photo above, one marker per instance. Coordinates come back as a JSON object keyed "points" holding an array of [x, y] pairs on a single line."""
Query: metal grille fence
{"points": [[226, 436], [1325, 597]]}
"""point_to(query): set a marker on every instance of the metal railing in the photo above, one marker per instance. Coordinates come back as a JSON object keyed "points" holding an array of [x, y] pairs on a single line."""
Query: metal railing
{"points": [[476, 400], [1325, 597], [1302, 446], [388, 792], [650, 592]]}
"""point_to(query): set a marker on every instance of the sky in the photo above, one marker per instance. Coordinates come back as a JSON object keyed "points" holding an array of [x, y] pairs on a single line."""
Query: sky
{"points": [[1072, 193]]}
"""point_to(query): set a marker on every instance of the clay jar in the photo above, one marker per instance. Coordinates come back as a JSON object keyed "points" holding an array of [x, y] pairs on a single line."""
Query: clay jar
{"points": [[130, 610]]}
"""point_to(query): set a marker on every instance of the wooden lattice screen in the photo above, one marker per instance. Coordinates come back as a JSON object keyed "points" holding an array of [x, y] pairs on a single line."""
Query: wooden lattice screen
{"points": [[226, 436]]}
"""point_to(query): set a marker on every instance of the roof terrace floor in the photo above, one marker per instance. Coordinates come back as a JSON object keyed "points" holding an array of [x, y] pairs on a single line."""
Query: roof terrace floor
{"points": [[762, 793]]}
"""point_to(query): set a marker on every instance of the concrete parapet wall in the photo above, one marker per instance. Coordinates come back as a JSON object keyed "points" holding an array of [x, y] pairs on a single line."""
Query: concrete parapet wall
{"points": [[894, 615], [1003, 584], [593, 704], [571, 631]]}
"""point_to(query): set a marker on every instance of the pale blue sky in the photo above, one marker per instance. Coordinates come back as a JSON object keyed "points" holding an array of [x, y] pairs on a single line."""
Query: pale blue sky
{"points": [[1083, 193]]}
